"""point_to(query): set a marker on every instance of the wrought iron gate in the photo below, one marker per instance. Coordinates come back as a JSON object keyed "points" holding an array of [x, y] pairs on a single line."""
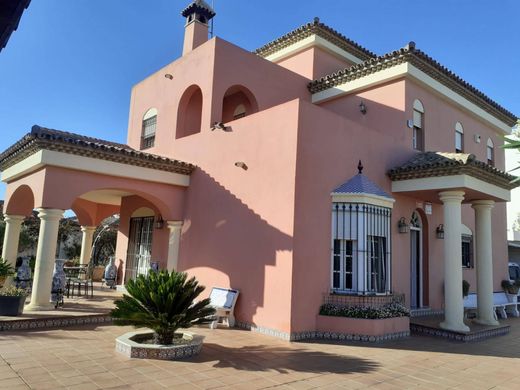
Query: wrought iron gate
{"points": [[139, 250]]}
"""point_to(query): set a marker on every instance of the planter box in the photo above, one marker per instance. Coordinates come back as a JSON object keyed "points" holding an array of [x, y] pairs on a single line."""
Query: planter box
{"points": [[129, 346], [361, 326], [11, 306]]}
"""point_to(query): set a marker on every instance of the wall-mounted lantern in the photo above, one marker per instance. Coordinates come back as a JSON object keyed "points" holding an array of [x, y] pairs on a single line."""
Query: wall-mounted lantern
{"points": [[403, 226], [362, 108], [439, 232], [159, 223]]}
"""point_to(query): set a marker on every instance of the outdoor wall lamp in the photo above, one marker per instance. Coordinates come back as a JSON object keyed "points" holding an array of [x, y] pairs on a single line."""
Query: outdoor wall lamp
{"points": [[403, 226], [363, 108], [439, 232], [220, 126], [168, 76], [159, 223], [242, 165]]}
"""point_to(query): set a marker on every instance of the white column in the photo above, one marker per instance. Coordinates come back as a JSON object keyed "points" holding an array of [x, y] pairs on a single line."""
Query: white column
{"points": [[86, 244], [453, 300], [484, 262], [45, 258], [13, 225], [173, 244]]}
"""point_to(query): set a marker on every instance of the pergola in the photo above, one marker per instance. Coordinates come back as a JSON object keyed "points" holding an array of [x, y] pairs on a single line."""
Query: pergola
{"points": [[453, 179], [53, 171]]}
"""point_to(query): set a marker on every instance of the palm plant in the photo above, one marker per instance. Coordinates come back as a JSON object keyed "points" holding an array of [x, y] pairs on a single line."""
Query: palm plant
{"points": [[163, 302], [6, 269]]}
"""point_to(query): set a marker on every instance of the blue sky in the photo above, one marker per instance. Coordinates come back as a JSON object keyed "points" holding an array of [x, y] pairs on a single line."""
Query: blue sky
{"points": [[71, 63]]}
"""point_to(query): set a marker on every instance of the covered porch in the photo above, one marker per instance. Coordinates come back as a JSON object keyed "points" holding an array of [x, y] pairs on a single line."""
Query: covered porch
{"points": [[453, 179], [52, 171]]}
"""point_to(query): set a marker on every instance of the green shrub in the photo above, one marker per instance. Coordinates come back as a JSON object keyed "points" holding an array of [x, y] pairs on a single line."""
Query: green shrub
{"points": [[391, 310], [6, 269], [12, 291], [465, 288], [163, 302]]}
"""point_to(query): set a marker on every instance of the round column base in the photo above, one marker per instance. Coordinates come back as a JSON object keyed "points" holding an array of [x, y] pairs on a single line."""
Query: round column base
{"points": [[41, 307], [483, 321], [454, 327]]}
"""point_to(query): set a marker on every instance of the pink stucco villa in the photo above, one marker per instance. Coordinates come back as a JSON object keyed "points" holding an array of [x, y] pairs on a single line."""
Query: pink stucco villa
{"points": [[242, 169]]}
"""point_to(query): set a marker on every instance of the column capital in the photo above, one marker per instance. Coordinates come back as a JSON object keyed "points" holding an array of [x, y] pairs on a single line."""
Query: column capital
{"points": [[451, 196], [483, 204], [88, 229], [172, 225], [50, 214], [14, 218]]}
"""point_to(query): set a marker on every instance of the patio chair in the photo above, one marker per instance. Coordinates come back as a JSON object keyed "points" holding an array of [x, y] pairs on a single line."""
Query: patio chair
{"points": [[223, 300], [83, 279]]}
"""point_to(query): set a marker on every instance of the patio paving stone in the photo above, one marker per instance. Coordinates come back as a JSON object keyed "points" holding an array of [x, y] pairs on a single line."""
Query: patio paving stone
{"points": [[84, 358]]}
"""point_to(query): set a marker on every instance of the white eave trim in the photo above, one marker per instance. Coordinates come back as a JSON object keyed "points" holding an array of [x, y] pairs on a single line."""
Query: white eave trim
{"points": [[408, 70], [312, 41], [372, 199], [44, 158], [443, 183]]}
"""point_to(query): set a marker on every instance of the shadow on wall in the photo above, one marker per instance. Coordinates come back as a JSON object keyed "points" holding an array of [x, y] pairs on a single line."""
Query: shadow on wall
{"points": [[229, 240]]}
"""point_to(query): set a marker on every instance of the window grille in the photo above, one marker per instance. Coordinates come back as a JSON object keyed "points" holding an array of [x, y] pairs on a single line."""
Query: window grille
{"points": [[361, 253], [148, 132]]}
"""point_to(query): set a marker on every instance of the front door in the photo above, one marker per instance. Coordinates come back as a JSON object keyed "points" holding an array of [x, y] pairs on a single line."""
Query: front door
{"points": [[416, 262], [139, 250]]}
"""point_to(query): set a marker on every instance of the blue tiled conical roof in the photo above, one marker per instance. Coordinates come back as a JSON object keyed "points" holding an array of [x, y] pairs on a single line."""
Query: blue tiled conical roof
{"points": [[360, 184]]}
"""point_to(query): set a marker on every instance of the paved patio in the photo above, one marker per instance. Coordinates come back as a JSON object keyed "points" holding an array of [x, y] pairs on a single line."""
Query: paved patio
{"points": [[84, 358]]}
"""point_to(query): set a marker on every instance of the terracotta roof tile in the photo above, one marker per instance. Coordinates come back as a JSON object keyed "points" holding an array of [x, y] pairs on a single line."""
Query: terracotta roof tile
{"points": [[42, 138], [201, 6], [320, 29], [435, 164], [426, 64]]}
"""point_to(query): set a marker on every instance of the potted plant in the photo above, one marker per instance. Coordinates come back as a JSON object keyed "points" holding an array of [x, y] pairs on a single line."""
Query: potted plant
{"points": [[12, 300], [465, 288], [511, 289], [6, 270], [163, 302]]}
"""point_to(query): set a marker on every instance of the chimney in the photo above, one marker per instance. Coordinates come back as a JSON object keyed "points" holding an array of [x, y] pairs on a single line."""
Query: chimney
{"points": [[197, 14]]}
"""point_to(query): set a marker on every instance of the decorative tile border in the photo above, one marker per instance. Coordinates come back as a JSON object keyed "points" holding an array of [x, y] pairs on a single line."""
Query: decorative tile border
{"points": [[55, 322], [317, 335], [425, 312], [456, 336], [127, 346]]}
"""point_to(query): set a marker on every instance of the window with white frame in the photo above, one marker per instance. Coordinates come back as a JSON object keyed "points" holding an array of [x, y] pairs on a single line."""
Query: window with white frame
{"points": [[149, 126], [459, 138], [490, 152], [360, 248], [467, 246], [418, 126]]}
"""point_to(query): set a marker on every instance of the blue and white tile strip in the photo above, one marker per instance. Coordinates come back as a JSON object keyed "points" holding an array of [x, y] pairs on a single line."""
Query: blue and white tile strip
{"points": [[456, 336], [316, 335], [31, 324]]}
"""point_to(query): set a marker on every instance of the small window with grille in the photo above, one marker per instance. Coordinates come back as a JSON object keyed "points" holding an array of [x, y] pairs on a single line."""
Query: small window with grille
{"points": [[148, 129]]}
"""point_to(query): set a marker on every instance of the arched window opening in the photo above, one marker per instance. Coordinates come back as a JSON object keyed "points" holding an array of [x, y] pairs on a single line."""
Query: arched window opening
{"points": [[238, 102], [189, 114], [239, 112], [418, 126], [149, 126], [459, 138], [490, 152]]}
